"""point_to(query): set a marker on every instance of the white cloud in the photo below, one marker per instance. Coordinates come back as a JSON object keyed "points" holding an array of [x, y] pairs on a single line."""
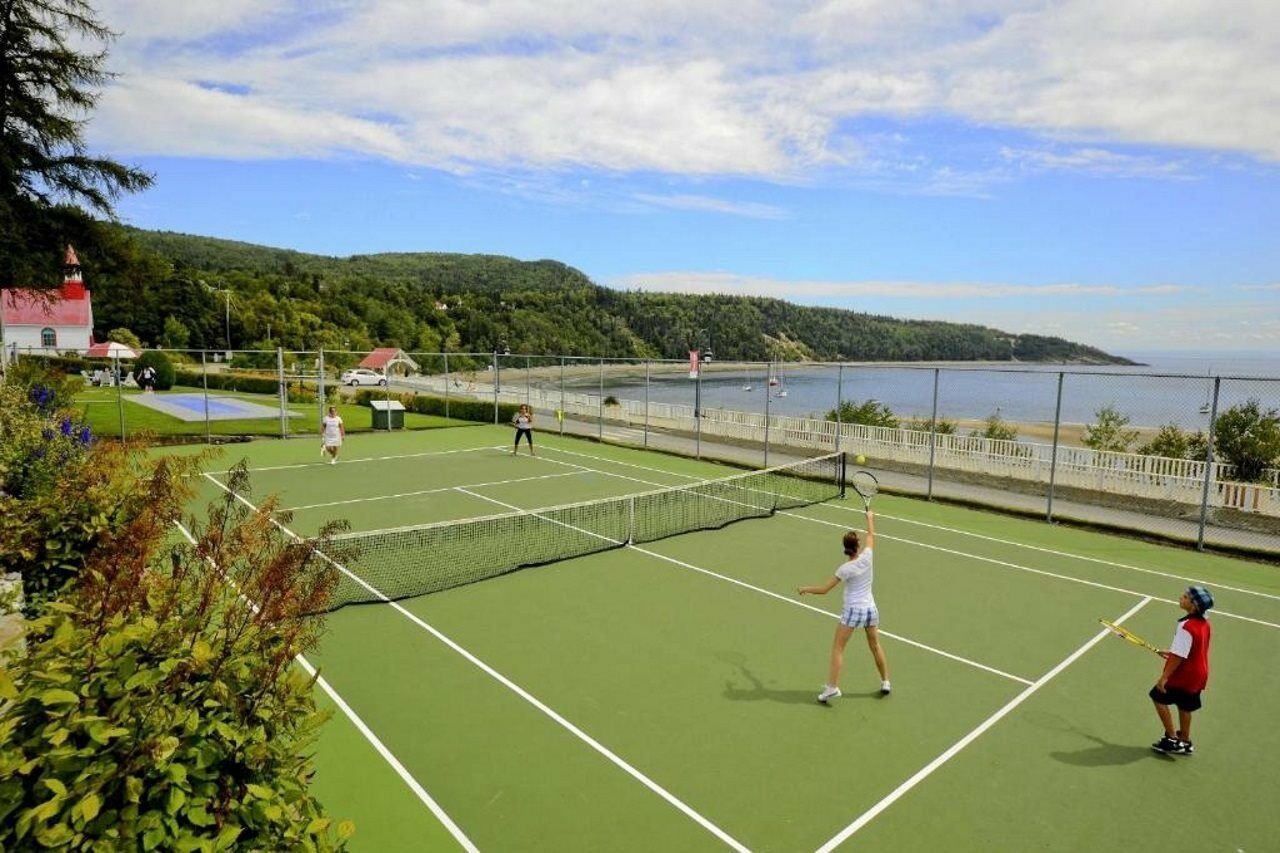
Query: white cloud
{"points": [[716, 88], [754, 210]]}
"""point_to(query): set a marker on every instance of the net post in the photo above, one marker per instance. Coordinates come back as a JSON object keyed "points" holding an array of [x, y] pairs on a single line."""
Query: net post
{"points": [[560, 419], [842, 466], [646, 403], [631, 520], [600, 411], [839, 399]]}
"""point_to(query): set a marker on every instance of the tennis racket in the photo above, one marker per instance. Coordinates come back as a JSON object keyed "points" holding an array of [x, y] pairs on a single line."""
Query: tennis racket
{"points": [[866, 485], [1130, 636]]}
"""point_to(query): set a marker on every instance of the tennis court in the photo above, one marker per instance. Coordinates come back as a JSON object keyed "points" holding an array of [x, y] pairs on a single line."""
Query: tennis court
{"points": [[660, 696]]}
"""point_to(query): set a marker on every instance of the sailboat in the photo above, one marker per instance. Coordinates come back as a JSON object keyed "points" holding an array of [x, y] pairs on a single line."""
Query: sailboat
{"points": [[1208, 397], [775, 383]]}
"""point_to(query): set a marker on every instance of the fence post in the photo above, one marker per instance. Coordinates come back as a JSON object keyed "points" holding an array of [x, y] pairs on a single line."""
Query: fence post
{"points": [[768, 368], [560, 417], [697, 410], [528, 383], [322, 395], [600, 412], [839, 401], [497, 384], [282, 392], [204, 379], [119, 380], [446, 383], [933, 432], [1208, 463], [1053, 454], [646, 402]]}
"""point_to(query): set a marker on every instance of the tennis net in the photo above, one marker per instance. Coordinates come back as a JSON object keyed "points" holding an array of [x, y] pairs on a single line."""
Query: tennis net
{"points": [[410, 561]]}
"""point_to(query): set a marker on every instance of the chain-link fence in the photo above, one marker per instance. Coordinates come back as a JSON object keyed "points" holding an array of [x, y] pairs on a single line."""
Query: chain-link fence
{"points": [[1189, 458]]}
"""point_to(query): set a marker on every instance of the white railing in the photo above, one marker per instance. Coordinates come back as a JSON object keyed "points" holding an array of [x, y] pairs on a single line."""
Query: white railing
{"points": [[1132, 474]]}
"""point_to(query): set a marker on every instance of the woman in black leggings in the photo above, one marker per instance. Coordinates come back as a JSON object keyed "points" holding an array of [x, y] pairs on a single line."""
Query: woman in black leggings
{"points": [[523, 422]]}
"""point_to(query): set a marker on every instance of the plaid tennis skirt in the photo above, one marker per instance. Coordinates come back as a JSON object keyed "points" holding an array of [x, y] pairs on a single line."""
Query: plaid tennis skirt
{"points": [[860, 617]]}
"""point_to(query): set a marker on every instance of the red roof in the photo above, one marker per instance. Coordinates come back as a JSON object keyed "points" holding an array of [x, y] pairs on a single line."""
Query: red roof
{"points": [[378, 359], [27, 308]]}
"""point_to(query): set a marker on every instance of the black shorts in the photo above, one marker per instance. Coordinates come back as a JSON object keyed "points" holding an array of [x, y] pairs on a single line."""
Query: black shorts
{"points": [[526, 433], [1185, 700]]}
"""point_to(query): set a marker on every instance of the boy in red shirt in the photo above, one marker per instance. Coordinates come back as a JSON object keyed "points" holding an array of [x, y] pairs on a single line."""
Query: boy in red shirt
{"points": [[1185, 673]]}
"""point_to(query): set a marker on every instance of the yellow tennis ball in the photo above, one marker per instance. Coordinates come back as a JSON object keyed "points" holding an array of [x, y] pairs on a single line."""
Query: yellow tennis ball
{"points": [[860, 459]]}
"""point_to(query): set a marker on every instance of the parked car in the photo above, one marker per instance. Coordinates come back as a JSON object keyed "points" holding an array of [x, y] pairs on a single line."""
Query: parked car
{"points": [[362, 376]]}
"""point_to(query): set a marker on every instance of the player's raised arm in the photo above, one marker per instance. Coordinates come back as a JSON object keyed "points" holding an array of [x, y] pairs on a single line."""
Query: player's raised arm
{"points": [[871, 528]]}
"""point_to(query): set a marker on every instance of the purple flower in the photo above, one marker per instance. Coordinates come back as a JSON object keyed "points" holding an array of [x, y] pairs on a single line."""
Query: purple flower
{"points": [[65, 427], [85, 436], [41, 396]]}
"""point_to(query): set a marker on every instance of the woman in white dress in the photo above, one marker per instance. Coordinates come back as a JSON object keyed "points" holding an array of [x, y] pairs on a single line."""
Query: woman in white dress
{"points": [[331, 434]]}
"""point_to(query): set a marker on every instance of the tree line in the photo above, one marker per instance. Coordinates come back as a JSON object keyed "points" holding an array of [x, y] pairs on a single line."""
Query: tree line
{"points": [[183, 291]]}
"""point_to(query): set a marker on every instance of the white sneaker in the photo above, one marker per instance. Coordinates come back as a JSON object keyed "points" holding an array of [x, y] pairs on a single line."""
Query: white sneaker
{"points": [[885, 688], [333, 460], [828, 693]]}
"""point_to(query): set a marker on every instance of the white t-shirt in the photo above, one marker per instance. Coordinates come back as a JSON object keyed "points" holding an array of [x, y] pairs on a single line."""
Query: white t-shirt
{"points": [[522, 421], [332, 429], [856, 575]]}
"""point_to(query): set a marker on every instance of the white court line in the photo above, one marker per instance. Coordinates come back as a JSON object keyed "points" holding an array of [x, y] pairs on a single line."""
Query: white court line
{"points": [[430, 491], [1044, 572], [1098, 560], [758, 589], [366, 459], [377, 744], [920, 775], [519, 691]]}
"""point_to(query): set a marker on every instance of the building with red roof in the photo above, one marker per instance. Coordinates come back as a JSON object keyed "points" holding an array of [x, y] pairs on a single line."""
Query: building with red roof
{"points": [[49, 321], [384, 359]]}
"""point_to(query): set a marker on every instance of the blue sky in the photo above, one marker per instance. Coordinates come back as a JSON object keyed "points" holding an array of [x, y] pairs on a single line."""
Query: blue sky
{"points": [[1104, 171]]}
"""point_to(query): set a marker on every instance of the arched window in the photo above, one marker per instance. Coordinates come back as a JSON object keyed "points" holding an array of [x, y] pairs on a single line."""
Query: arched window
{"points": [[48, 337]]}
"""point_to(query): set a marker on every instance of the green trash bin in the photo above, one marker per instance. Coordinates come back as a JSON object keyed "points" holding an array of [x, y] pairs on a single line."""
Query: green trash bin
{"points": [[387, 414]]}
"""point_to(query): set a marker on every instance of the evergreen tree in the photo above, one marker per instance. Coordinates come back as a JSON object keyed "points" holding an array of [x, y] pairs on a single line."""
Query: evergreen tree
{"points": [[52, 55]]}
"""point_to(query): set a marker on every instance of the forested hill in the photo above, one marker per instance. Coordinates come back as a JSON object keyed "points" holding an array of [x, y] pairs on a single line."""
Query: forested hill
{"points": [[170, 289]]}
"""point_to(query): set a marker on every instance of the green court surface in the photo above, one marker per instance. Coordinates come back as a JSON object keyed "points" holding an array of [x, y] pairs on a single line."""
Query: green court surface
{"points": [[662, 696]]}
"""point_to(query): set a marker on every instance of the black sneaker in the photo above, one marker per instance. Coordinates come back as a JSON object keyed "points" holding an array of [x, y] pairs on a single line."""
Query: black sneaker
{"points": [[1185, 747], [1167, 745]]}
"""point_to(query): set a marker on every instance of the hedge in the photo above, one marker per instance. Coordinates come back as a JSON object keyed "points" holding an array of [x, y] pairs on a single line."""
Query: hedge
{"points": [[245, 383], [480, 411]]}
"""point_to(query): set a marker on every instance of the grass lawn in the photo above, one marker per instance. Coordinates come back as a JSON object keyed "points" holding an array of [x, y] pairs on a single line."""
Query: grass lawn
{"points": [[102, 413]]}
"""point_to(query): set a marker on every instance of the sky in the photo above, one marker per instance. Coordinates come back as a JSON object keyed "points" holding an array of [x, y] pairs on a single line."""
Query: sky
{"points": [[1107, 171]]}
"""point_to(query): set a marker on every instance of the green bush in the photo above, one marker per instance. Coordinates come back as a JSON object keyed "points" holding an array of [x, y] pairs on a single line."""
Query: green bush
{"points": [[866, 413], [1248, 437], [157, 709], [245, 384], [1109, 433], [996, 428], [480, 411], [43, 534], [160, 363]]}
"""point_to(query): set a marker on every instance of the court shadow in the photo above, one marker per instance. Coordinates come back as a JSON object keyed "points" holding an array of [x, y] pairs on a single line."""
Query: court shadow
{"points": [[758, 692], [1106, 754]]}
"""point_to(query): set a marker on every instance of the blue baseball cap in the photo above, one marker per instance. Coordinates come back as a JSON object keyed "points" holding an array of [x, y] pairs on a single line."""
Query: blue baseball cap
{"points": [[1200, 597]]}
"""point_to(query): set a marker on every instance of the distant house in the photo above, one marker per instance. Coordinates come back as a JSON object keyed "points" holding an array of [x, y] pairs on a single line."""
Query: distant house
{"points": [[61, 320], [390, 360]]}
